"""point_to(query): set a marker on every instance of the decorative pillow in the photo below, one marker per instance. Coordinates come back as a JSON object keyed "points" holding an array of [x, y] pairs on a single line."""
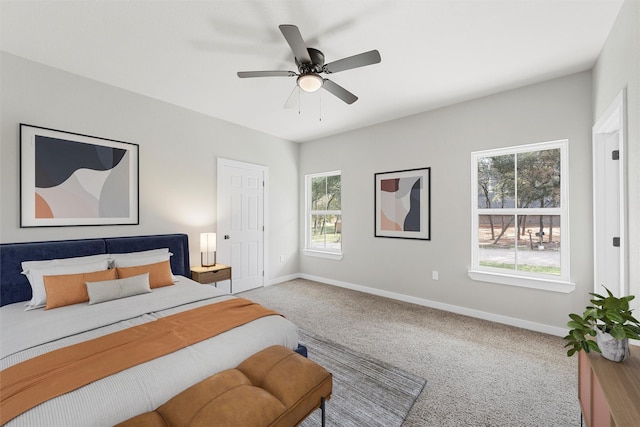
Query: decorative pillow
{"points": [[159, 273], [120, 288], [67, 289], [36, 278], [27, 265], [133, 259]]}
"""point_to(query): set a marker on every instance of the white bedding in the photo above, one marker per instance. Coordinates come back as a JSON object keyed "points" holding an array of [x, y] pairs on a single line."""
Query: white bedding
{"points": [[26, 334]]}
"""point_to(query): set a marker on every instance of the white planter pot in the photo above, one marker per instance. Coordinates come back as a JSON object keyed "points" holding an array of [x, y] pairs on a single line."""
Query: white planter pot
{"points": [[611, 348]]}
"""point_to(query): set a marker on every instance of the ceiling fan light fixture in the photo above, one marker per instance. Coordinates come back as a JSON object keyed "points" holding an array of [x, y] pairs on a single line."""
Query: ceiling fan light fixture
{"points": [[310, 82]]}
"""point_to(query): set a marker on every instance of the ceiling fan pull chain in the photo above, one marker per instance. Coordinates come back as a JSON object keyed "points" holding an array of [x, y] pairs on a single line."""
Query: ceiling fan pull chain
{"points": [[320, 118]]}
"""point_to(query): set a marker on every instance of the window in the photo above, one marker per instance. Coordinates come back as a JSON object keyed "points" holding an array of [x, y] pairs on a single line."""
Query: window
{"points": [[323, 215], [520, 216]]}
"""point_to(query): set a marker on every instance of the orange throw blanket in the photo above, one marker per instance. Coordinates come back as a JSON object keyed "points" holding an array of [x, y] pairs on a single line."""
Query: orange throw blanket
{"points": [[34, 381]]}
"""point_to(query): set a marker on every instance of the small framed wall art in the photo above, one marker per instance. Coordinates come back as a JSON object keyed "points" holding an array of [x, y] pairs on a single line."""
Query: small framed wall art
{"points": [[69, 179], [403, 204]]}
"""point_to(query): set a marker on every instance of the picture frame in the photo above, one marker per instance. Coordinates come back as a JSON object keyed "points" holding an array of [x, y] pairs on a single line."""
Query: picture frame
{"points": [[71, 179], [403, 204]]}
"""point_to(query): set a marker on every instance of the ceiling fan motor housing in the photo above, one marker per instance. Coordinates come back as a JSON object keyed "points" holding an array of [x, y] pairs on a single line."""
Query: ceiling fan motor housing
{"points": [[317, 61]]}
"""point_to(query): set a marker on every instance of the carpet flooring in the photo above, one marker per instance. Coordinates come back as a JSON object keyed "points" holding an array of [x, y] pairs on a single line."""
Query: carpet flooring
{"points": [[366, 392], [478, 373]]}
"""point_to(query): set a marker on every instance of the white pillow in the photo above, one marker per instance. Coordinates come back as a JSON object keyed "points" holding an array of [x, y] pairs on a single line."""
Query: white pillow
{"points": [[36, 278], [27, 265], [132, 259], [120, 288]]}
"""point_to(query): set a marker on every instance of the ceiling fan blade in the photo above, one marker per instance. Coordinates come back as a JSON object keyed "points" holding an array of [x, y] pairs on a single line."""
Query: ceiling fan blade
{"points": [[339, 91], [247, 74], [292, 34], [355, 61]]}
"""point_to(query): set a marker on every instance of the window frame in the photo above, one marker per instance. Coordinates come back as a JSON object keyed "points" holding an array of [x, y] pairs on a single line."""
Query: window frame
{"points": [[308, 250], [560, 283]]}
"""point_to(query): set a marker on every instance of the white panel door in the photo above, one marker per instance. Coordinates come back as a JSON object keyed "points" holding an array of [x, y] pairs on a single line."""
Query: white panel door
{"points": [[241, 222]]}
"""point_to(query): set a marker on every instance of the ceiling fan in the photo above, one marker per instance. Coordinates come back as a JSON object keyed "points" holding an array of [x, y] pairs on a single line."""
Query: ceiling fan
{"points": [[310, 63]]}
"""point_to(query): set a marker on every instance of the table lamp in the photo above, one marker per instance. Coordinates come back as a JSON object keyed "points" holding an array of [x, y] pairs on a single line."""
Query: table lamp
{"points": [[207, 248]]}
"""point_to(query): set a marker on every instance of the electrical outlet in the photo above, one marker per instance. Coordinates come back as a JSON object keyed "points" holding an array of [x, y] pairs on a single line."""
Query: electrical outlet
{"points": [[434, 275], [281, 258]]}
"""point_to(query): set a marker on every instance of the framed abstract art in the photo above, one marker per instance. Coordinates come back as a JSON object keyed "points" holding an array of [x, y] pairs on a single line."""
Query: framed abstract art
{"points": [[69, 179], [403, 204]]}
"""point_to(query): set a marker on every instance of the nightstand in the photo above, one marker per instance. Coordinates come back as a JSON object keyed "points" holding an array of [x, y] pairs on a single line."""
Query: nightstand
{"points": [[214, 274]]}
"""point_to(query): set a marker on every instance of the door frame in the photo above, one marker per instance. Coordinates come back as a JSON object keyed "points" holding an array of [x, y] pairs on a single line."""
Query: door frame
{"points": [[221, 163], [613, 120]]}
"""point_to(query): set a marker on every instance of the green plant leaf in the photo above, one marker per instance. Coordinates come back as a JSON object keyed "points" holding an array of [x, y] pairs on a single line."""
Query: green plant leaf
{"points": [[577, 335], [614, 316], [577, 318], [592, 345], [575, 325], [631, 334], [571, 352], [618, 332]]}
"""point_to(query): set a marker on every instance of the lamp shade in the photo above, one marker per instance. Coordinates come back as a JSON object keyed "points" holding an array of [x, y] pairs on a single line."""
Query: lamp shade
{"points": [[207, 242]]}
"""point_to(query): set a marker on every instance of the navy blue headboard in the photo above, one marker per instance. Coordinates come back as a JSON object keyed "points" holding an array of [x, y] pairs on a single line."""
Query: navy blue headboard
{"points": [[14, 286]]}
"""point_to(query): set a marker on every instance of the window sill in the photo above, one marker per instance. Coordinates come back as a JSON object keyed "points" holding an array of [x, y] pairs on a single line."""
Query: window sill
{"points": [[524, 282], [321, 254]]}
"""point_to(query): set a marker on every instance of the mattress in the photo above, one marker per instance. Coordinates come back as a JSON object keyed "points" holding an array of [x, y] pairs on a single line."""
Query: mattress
{"points": [[27, 334]]}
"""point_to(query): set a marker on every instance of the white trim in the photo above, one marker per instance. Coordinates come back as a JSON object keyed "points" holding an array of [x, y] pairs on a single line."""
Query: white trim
{"points": [[612, 120], [322, 254], [505, 320], [282, 279], [515, 278], [522, 281]]}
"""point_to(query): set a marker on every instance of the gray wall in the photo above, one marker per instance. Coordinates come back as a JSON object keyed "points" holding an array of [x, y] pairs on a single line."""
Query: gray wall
{"points": [[618, 67], [443, 139], [178, 152]]}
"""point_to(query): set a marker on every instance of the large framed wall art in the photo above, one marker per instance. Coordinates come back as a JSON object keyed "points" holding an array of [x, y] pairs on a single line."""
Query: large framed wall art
{"points": [[403, 204], [69, 179]]}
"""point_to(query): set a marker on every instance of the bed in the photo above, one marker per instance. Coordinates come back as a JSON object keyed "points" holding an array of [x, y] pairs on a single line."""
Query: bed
{"points": [[27, 334]]}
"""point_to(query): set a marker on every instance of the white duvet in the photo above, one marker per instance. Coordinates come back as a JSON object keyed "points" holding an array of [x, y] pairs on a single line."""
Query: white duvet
{"points": [[26, 334]]}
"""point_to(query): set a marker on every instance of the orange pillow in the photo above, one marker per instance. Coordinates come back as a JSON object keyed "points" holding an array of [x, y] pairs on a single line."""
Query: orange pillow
{"points": [[159, 273], [67, 289]]}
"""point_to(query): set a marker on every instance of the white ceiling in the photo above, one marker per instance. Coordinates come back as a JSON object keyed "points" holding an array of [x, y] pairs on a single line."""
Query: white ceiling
{"points": [[434, 52]]}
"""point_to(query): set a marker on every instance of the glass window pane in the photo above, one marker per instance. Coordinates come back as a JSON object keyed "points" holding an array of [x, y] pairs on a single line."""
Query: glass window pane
{"points": [[326, 232], [325, 193], [539, 179], [539, 250], [496, 182], [496, 241]]}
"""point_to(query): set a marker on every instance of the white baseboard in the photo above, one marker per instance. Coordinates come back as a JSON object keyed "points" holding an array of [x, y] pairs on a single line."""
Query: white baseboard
{"points": [[282, 279], [512, 321]]}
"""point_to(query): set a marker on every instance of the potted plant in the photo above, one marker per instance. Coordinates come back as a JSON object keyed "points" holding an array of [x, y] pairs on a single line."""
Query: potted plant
{"points": [[610, 321]]}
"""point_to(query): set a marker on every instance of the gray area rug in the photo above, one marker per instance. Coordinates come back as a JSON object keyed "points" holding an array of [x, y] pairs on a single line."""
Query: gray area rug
{"points": [[366, 392]]}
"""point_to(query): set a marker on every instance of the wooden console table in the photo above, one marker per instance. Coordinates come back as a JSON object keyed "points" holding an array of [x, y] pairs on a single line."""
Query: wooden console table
{"points": [[609, 392]]}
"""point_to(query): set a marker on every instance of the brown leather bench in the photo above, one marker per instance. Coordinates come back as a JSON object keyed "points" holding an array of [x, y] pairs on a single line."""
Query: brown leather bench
{"points": [[275, 387]]}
